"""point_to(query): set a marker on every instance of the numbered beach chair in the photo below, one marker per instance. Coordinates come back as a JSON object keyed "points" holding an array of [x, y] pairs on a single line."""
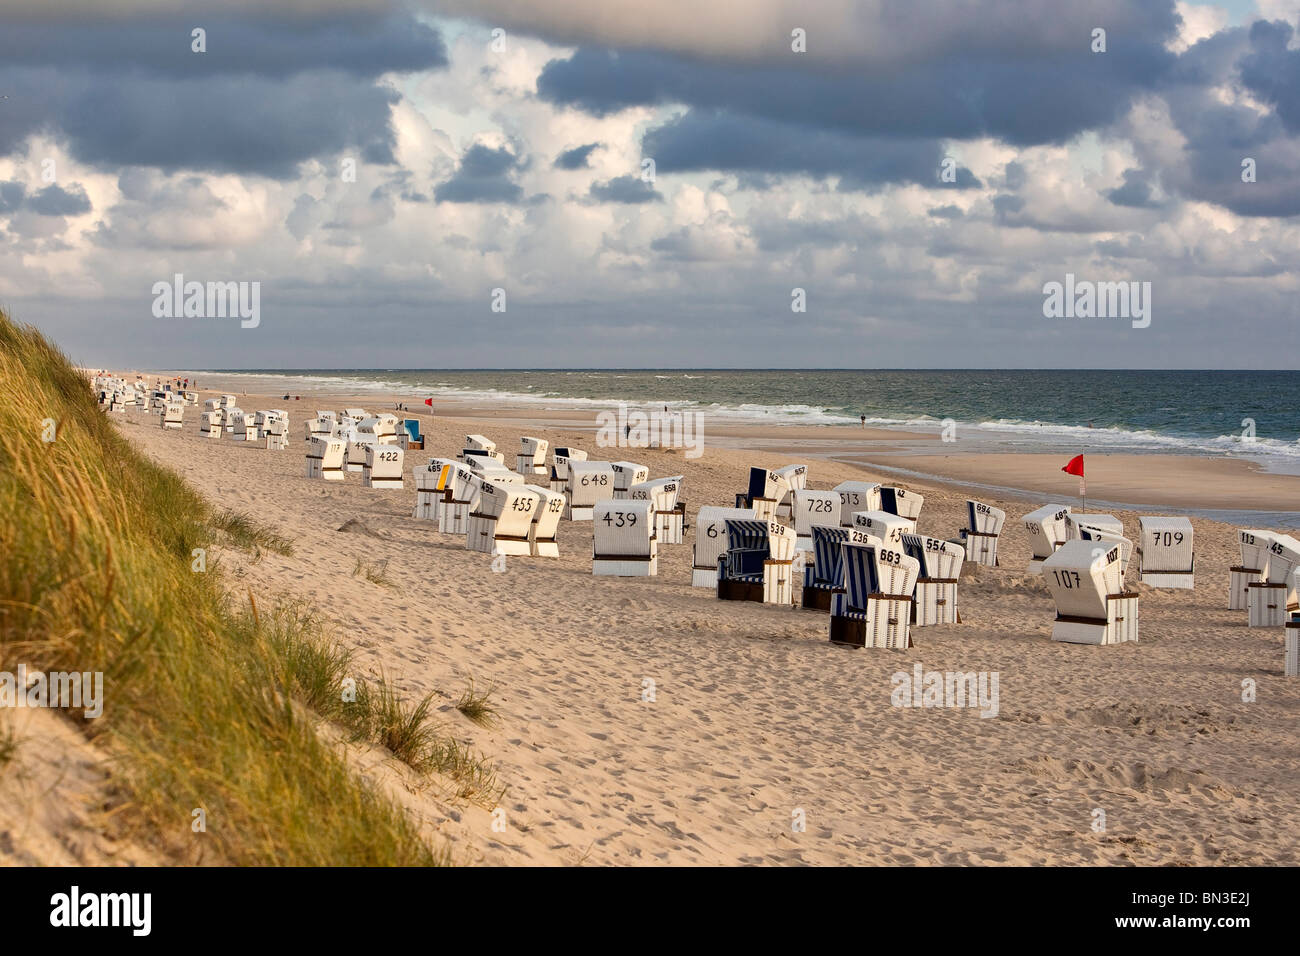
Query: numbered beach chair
{"points": [[1254, 560], [936, 586], [824, 575], [356, 447], [241, 425], [318, 427], [462, 502], [542, 532], [172, 414], [501, 518], [277, 434], [888, 527], [383, 467], [1047, 532], [1102, 522], [901, 502], [560, 468], [1087, 584], [811, 509], [758, 564], [531, 459], [433, 486], [796, 479], [980, 536], [669, 512], [1107, 537], [875, 607], [589, 482], [325, 459], [857, 496], [627, 474], [211, 424], [1268, 602], [356, 414], [711, 542], [623, 540], [766, 491], [1165, 556], [476, 446]]}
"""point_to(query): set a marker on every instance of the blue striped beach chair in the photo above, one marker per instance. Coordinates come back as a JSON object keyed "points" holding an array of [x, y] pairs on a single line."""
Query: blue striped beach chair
{"points": [[874, 610], [935, 598], [825, 576], [748, 571]]}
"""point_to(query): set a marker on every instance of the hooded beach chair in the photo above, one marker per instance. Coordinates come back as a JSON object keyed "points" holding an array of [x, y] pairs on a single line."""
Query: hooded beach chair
{"points": [[824, 575], [1087, 584], [436, 487], [669, 512], [383, 467], [356, 446], [1047, 532], [172, 413], [211, 424], [242, 425], [477, 446], [711, 542], [560, 467], [623, 538], [875, 607], [796, 479], [767, 489], [1102, 522], [325, 459], [758, 564], [1106, 537], [356, 414], [809, 509], [856, 496], [901, 502], [589, 482], [627, 474], [936, 586], [888, 527], [277, 434], [410, 437], [531, 459], [546, 523], [980, 536], [1268, 602], [1254, 544], [500, 520], [1165, 555]]}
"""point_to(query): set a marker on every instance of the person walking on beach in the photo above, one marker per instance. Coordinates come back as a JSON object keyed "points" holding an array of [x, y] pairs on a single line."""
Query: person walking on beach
{"points": [[864, 421]]}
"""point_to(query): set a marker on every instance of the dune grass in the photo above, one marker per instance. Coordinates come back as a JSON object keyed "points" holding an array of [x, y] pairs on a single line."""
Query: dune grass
{"points": [[477, 707], [242, 532], [209, 703]]}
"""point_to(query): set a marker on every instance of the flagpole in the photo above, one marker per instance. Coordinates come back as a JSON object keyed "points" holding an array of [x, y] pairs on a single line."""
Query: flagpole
{"points": [[1083, 486]]}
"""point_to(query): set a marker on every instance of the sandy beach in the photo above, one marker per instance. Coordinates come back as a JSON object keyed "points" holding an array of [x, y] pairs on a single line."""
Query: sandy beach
{"points": [[756, 719]]}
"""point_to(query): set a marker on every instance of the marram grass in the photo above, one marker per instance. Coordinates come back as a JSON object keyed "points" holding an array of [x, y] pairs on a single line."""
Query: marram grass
{"points": [[209, 704]]}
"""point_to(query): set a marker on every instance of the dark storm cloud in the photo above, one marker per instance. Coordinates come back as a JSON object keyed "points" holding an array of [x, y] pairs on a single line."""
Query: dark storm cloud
{"points": [[51, 201], [1135, 193], [625, 189], [484, 176], [1016, 96], [1272, 72], [269, 93], [706, 140], [1221, 136], [575, 158]]}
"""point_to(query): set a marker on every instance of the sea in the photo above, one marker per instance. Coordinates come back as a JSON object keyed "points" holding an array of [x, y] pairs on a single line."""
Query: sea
{"points": [[1252, 415]]}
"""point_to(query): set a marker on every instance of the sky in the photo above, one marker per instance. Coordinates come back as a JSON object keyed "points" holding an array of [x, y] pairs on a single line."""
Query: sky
{"points": [[691, 183]]}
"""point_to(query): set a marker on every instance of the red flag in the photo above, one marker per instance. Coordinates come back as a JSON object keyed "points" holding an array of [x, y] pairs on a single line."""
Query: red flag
{"points": [[429, 402], [1074, 466]]}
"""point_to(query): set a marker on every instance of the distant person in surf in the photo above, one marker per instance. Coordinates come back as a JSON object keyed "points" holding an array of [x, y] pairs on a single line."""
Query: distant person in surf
{"points": [[864, 421]]}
